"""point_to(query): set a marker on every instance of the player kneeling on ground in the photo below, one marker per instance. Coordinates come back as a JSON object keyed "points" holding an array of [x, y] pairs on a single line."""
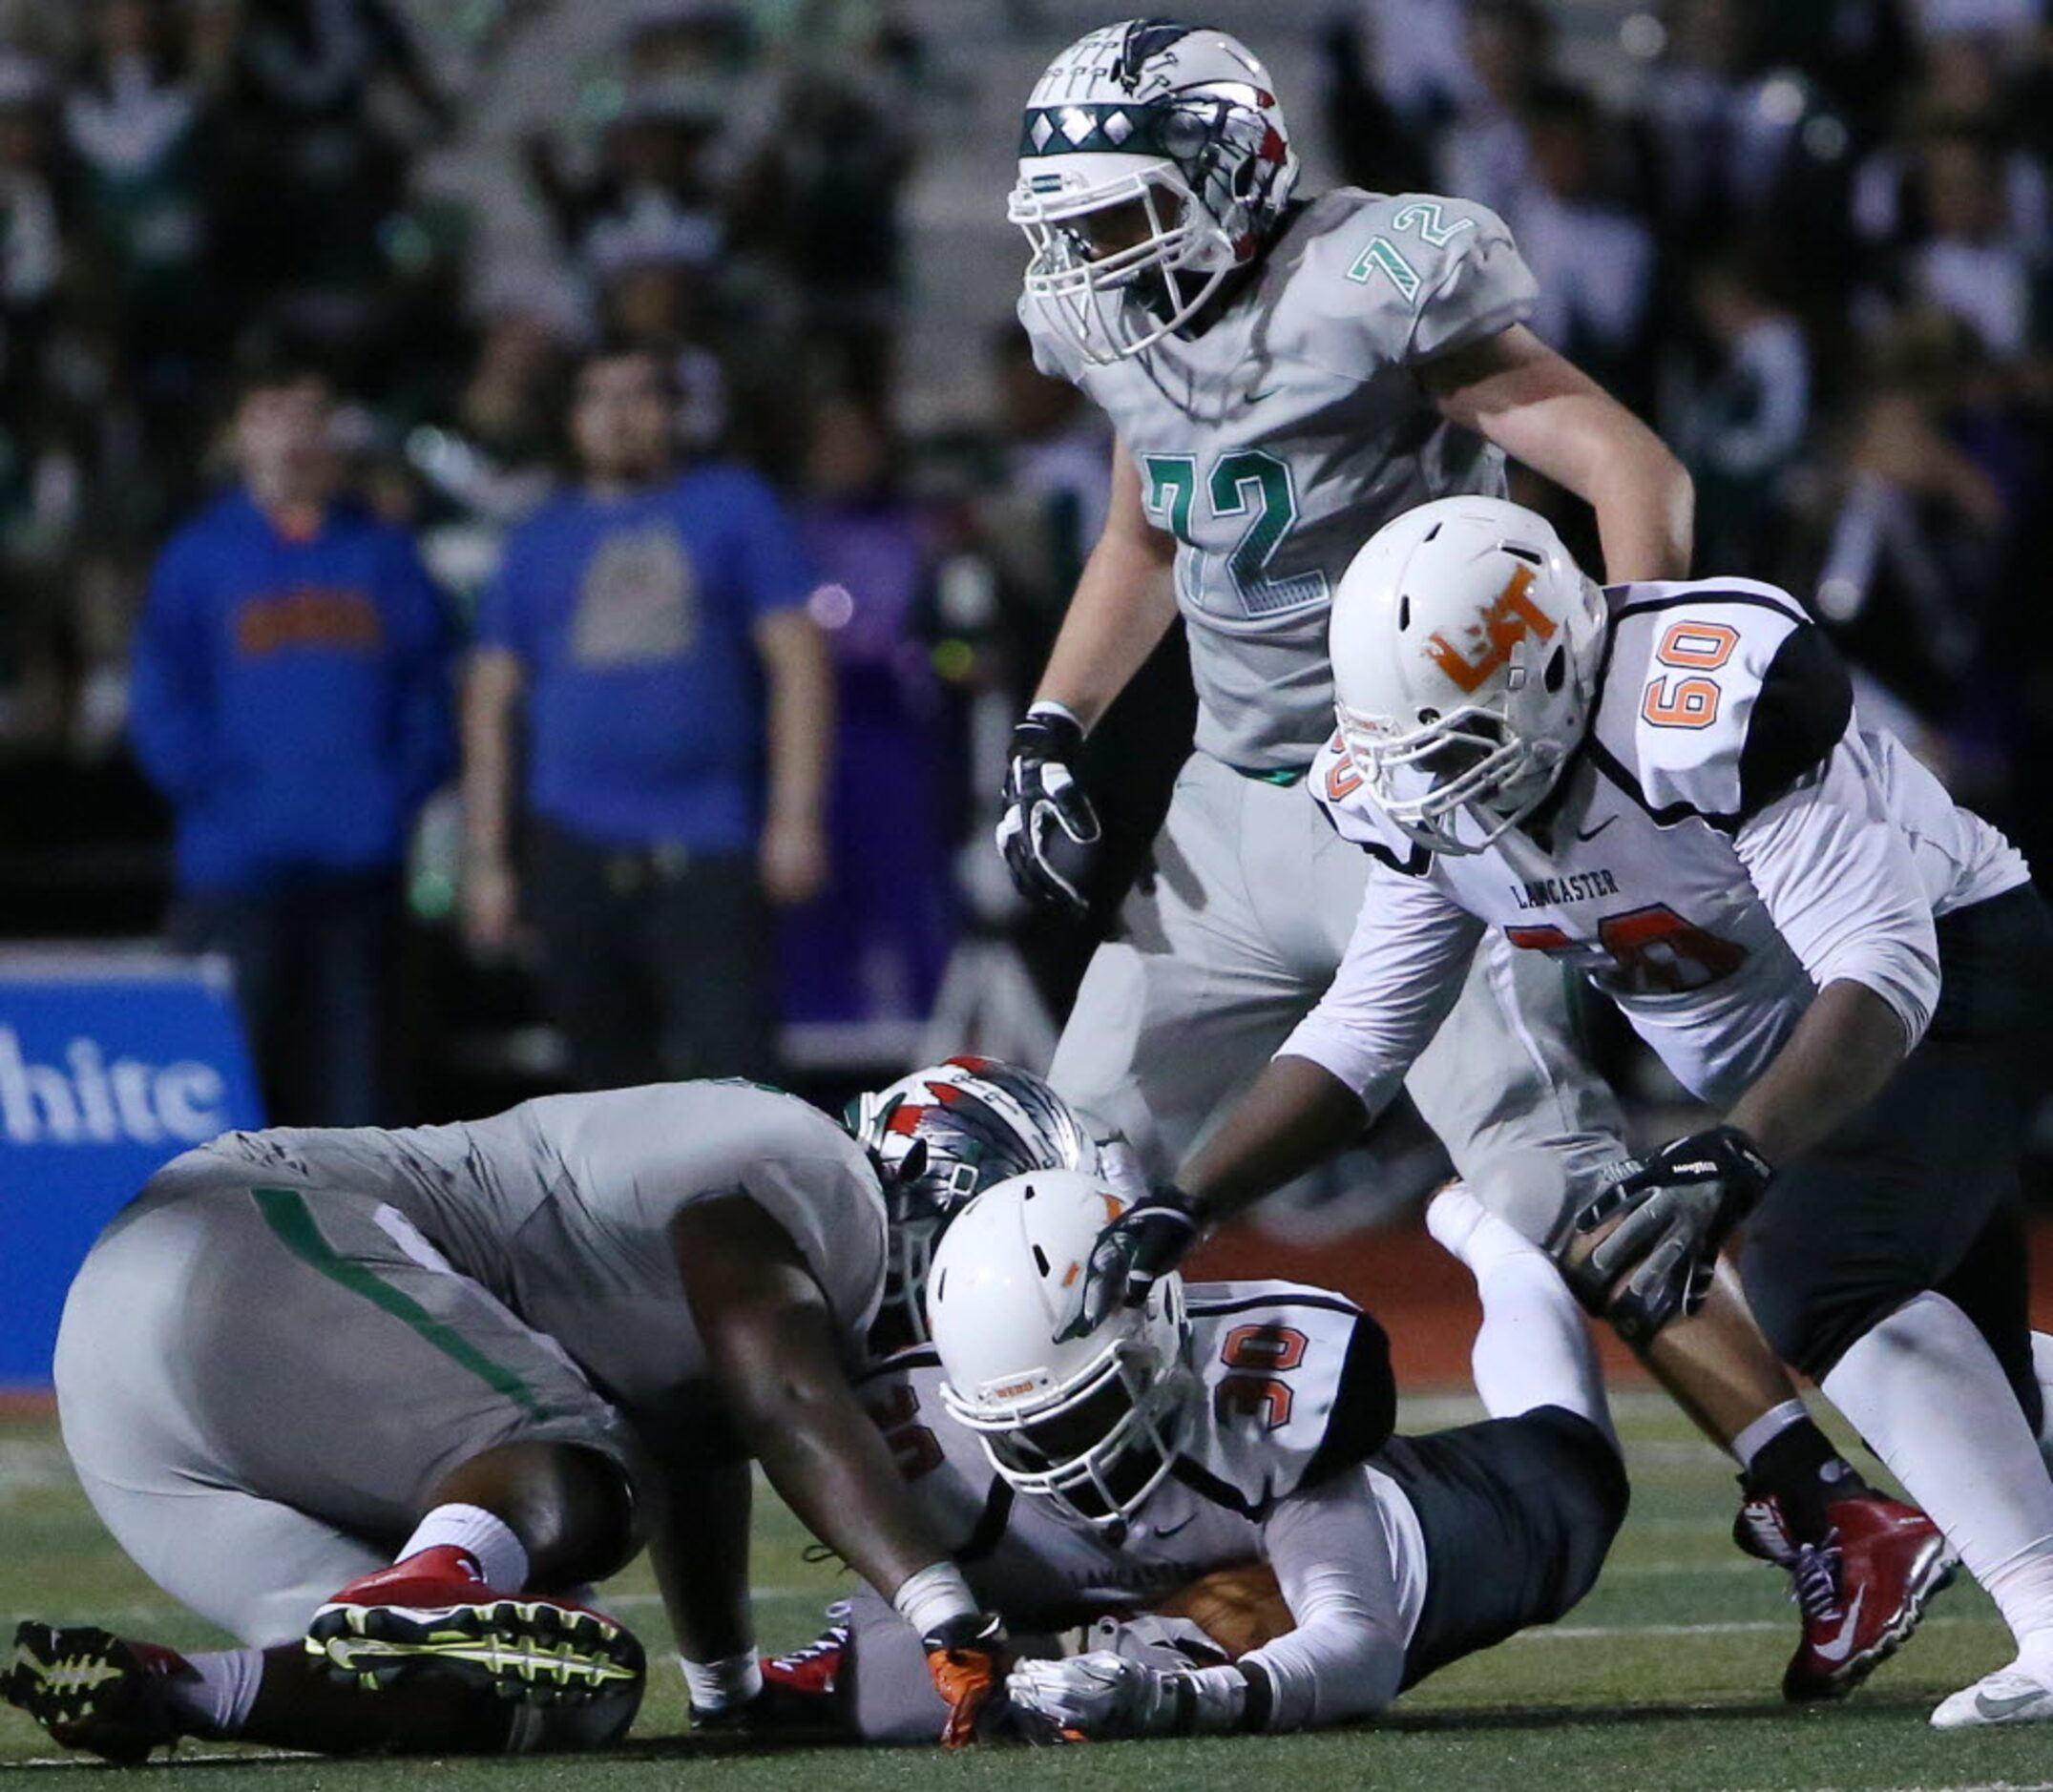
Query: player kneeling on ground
{"points": [[1240, 1427], [1665, 787], [298, 1355]]}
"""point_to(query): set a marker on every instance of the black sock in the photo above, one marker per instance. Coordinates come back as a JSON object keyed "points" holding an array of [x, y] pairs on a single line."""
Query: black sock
{"points": [[1805, 1474]]}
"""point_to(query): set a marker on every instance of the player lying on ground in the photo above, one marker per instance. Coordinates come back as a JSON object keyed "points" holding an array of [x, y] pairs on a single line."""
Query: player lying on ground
{"points": [[1285, 374], [1242, 1426], [1665, 788], [338, 1392]]}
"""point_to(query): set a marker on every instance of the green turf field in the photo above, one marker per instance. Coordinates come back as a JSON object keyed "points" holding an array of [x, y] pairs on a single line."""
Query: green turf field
{"points": [[1665, 1678]]}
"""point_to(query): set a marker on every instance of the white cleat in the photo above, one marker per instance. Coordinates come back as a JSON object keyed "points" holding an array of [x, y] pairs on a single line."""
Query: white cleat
{"points": [[2008, 1696]]}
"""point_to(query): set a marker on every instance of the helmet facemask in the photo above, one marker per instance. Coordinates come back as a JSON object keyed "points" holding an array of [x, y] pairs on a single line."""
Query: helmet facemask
{"points": [[1204, 159], [1476, 757], [1100, 1443]]}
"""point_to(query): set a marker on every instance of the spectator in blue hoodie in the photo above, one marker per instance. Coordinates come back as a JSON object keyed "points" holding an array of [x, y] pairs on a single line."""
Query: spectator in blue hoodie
{"points": [[650, 629], [291, 698]]}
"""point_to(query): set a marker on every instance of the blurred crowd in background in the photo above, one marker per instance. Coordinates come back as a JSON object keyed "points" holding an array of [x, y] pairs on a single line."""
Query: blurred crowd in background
{"points": [[1812, 242]]}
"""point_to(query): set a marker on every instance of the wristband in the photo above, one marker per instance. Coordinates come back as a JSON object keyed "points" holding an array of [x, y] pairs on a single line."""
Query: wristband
{"points": [[1048, 706], [721, 1685], [935, 1595]]}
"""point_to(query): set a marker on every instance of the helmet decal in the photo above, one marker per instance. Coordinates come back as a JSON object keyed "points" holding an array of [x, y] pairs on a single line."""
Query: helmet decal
{"points": [[1146, 40]]}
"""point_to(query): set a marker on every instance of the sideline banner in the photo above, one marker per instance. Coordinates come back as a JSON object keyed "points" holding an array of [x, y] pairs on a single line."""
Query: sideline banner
{"points": [[112, 1061]]}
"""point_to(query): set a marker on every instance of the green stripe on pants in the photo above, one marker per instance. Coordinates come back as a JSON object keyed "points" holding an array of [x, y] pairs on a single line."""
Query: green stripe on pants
{"points": [[286, 1213]]}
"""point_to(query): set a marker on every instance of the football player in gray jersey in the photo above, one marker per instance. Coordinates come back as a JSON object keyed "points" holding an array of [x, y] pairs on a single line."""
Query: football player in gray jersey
{"points": [[1286, 375], [381, 1403]]}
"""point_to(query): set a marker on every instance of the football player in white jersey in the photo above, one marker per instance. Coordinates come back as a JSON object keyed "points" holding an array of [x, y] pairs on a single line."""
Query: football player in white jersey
{"points": [[1665, 787], [1285, 376], [1236, 1426], [379, 1403]]}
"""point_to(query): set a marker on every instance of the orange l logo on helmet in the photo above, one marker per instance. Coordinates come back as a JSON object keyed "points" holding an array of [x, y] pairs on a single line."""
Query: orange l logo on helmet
{"points": [[1508, 619]]}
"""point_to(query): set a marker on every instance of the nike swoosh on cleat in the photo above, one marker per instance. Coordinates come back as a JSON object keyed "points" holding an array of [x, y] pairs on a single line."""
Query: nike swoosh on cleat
{"points": [[1842, 1645], [1996, 1710], [1597, 829]]}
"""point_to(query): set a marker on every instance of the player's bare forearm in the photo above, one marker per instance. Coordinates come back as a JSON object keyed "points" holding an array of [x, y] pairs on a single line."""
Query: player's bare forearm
{"points": [[1124, 603], [491, 689], [1293, 1116], [700, 1553], [799, 686], [770, 1340], [1847, 1046], [1547, 413]]}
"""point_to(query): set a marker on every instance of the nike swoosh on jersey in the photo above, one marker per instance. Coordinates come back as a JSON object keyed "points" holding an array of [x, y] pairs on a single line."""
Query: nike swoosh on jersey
{"points": [[1997, 1708], [1842, 1645], [1597, 829]]}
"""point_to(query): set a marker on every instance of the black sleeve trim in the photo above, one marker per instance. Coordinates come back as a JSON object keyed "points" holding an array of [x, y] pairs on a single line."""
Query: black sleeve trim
{"points": [[1208, 1486], [900, 1362], [1801, 714], [1647, 606], [1607, 762], [1326, 1302], [1365, 1406], [991, 1522], [1261, 1695], [1417, 865]]}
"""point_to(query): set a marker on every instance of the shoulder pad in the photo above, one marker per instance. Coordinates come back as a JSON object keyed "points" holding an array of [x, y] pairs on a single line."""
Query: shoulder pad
{"points": [[1418, 274], [1296, 1382], [1718, 698], [1338, 790]]}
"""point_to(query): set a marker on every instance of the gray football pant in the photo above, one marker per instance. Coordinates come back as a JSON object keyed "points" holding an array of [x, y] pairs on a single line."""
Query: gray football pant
{"points": [[261, 1387], [1232, 936]]}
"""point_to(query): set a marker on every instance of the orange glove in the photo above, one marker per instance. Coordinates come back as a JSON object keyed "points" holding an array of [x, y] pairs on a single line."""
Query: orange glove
{"points": [[967, 1658]]}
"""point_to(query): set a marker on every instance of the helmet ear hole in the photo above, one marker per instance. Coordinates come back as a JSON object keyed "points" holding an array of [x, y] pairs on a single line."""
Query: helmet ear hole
{"points": [[1555, 674]]}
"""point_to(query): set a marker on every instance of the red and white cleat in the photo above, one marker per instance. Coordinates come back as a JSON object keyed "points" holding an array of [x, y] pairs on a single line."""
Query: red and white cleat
{"points": [[1862, 1591], [434, 1618], [96, 1691]]}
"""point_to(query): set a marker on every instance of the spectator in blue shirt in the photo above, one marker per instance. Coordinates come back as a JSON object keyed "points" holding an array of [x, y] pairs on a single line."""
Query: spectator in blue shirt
{"points": [[678, 707], [291, 698]]}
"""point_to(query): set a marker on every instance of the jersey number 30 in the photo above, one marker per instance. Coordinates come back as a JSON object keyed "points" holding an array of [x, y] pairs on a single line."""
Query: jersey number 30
{"points": [[1259, 1356], [1250, 484]]}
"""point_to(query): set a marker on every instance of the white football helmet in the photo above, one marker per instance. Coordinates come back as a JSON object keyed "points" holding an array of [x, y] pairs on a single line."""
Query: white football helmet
{"points": [[941, 1134], [1091, 1422], [1179, 121], [1466, 648]]}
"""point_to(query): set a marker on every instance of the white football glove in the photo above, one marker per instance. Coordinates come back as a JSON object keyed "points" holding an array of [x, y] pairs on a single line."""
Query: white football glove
{"points": [[1108, 1698]]}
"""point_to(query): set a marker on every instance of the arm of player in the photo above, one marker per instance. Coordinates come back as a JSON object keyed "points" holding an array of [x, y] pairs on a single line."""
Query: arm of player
{"points": [[1842, 889], [775, 1355], [772, 1342], [700, 1552], [1345, 1659], [1123, 604], [1546, 412], [799, 684], [1402, 971]]}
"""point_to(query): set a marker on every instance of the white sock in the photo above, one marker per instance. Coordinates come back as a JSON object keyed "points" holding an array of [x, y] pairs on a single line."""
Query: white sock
{"points": [[1533, 1347], [487, 1538], [1755, 1438], [2042, 1374], [1926, 1392], [218, 1702]]}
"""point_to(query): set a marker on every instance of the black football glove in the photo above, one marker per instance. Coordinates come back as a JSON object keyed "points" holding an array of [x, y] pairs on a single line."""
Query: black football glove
{"points": [[1144, 1244], [1049, 831], [1680, 1206]]}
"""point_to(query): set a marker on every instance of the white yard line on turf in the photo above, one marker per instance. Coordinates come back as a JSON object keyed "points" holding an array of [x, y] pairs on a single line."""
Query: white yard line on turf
{"points": [[1735, 1627]]}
